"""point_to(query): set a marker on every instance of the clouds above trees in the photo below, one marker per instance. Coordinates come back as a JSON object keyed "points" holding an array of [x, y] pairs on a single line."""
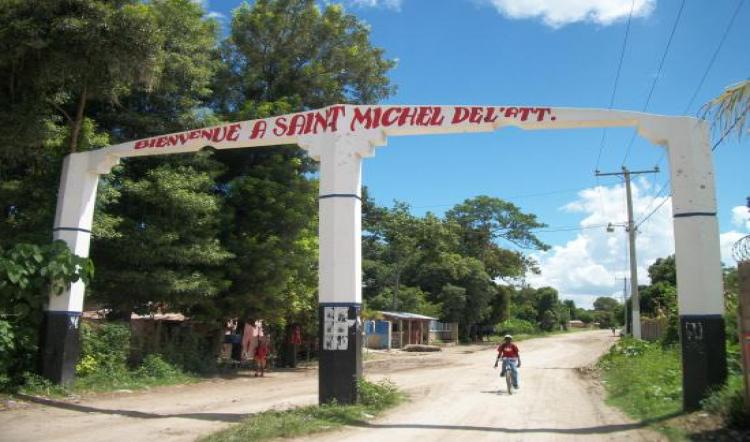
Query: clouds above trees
{"points": [[587, 266], [553, 13]]}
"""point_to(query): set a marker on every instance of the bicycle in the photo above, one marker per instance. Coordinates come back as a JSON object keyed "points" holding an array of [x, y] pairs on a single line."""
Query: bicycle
{"points": [[508, 374]]}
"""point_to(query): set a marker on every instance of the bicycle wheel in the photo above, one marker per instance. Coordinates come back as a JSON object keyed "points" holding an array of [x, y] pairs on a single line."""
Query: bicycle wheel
{"points": [[509, 380]]}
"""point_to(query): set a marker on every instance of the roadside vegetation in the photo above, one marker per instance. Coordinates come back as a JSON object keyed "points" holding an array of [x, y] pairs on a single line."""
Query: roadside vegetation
{"points": [[644, 379], [106, 365], [374, 399]]}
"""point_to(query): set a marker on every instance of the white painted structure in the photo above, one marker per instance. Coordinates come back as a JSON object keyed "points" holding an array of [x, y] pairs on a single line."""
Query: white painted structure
{"points": [[341, 136]]}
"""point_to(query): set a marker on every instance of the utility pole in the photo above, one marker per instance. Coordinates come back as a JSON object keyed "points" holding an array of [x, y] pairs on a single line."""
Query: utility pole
{"points": [[624, 303], [636, 308]]}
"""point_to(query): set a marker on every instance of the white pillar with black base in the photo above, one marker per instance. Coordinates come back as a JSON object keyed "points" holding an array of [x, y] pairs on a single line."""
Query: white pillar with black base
{"points": [[59, 337], [340, 273], [698, 260]]}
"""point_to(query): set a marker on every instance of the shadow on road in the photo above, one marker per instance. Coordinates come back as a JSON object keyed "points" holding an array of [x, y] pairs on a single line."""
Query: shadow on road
{"points": [[220, 417], [601, 429]]}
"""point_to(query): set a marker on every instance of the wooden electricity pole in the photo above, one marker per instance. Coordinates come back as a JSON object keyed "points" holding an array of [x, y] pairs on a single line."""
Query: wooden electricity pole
{"points": [[636, 308]]}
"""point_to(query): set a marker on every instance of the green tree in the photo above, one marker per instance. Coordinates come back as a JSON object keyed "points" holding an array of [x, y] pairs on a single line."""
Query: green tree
{"points": [[59, 56], [294, 52], [165, 247], [571, 306], [663, 270], [159, 219], [485, 221], [284, 56], [605, 304]]}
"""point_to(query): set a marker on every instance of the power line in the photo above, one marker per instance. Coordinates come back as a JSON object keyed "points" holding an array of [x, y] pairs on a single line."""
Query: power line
{"points": [[617, 80], [715, 54], [658, 194], [729, 129], [708, 67], [658, 74], [654, 211]]}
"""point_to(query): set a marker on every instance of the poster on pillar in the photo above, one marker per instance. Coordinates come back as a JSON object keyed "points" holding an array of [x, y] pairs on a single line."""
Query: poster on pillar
{"points": [[336, 328]]}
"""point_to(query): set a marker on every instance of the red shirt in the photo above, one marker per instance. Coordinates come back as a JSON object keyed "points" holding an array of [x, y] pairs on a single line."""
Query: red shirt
{"points": [[507, 350]]}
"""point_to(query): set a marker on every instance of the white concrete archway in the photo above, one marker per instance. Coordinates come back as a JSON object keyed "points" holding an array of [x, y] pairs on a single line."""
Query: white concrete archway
{"points": [[340, 137]]}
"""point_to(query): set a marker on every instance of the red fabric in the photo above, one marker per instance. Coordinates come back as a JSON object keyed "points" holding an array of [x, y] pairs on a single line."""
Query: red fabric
{"points": [[296, 338], [507, 350], [261, 352]]}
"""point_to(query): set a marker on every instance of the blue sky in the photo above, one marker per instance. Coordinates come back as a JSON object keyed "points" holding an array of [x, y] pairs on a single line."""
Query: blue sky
{"points": [[557, 53]]}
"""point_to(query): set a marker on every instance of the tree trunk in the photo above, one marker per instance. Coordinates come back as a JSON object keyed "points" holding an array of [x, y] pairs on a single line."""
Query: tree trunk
{"points": [[75, 128]]}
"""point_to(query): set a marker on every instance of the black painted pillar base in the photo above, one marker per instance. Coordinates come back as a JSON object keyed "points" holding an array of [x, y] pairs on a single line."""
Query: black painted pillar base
{"points": [[704, 357], [60, 346], [340, 340]]}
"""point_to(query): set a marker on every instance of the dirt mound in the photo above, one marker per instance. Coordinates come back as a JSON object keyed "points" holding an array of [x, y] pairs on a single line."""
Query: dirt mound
{"points": [[421, 348]]}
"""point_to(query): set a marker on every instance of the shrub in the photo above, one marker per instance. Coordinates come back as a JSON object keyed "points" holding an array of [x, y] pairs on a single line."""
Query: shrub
{"points": [[156, 367], [515, 326], [190, 351], [728, 403], [378, 396], [103, 346]]}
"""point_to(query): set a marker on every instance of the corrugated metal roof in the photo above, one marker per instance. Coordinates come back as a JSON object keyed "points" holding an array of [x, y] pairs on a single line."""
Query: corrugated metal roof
{"points": [[407, 315]]}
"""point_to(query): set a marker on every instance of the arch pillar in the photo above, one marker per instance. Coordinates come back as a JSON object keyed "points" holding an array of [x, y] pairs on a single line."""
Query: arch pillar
{"points": [[697, 254], [59, 337], [340, 261]]}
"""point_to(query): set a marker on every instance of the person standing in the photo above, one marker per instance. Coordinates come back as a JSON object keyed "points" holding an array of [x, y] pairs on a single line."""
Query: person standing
{"points": [[261, 356]]}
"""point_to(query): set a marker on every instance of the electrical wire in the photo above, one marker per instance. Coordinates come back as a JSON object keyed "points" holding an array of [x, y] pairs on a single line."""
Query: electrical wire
{"points": [[710, 65], [654, 211], [658, 194], [617, 80], [729, 129], [656, 77], [715, 54]]}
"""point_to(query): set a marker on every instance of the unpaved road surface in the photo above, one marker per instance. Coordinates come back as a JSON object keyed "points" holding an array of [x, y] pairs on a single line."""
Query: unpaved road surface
{"points": [[455, 395]]}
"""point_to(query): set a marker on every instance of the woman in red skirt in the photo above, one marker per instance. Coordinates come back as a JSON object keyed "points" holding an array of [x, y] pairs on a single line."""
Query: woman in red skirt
{"points": [[261, 356]]}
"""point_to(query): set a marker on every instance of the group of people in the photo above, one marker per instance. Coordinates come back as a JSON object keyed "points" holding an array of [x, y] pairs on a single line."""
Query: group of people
{"points": [[253, 344]]}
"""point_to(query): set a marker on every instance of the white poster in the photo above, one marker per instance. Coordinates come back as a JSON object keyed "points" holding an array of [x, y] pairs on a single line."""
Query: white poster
{"points": [[336, 328]]}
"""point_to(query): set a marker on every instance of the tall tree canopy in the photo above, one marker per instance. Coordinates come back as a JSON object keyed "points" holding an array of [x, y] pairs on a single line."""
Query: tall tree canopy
{"points": [[451, 263]]}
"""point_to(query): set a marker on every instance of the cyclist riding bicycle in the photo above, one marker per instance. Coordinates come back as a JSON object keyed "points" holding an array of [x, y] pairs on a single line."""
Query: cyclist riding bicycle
{"points": [[508, 352]]}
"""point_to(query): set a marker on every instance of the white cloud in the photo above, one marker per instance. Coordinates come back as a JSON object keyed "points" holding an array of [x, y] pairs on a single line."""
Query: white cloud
{"points": [[388, 4], [741, 217], [558, 13], [587, 266], [217, 15]]}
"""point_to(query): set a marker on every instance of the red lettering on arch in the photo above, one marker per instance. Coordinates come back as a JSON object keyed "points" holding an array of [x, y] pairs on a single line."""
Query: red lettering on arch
{"points": [[460, 114], [280, 128], [361, 118], [388, 119], [259, 130]]}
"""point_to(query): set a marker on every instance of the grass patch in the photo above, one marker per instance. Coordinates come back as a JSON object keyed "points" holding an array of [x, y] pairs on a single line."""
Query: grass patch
{"points": [[374, 398], [643, 379]]}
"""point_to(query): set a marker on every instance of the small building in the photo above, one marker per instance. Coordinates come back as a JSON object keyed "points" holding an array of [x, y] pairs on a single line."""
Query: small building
{"points": [[443, 332], [378, 334], [408, 328], [576, 323]]}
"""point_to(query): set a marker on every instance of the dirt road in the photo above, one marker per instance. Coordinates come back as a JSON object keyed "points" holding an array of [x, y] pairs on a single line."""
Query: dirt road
{"points": [[454, 396]]}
